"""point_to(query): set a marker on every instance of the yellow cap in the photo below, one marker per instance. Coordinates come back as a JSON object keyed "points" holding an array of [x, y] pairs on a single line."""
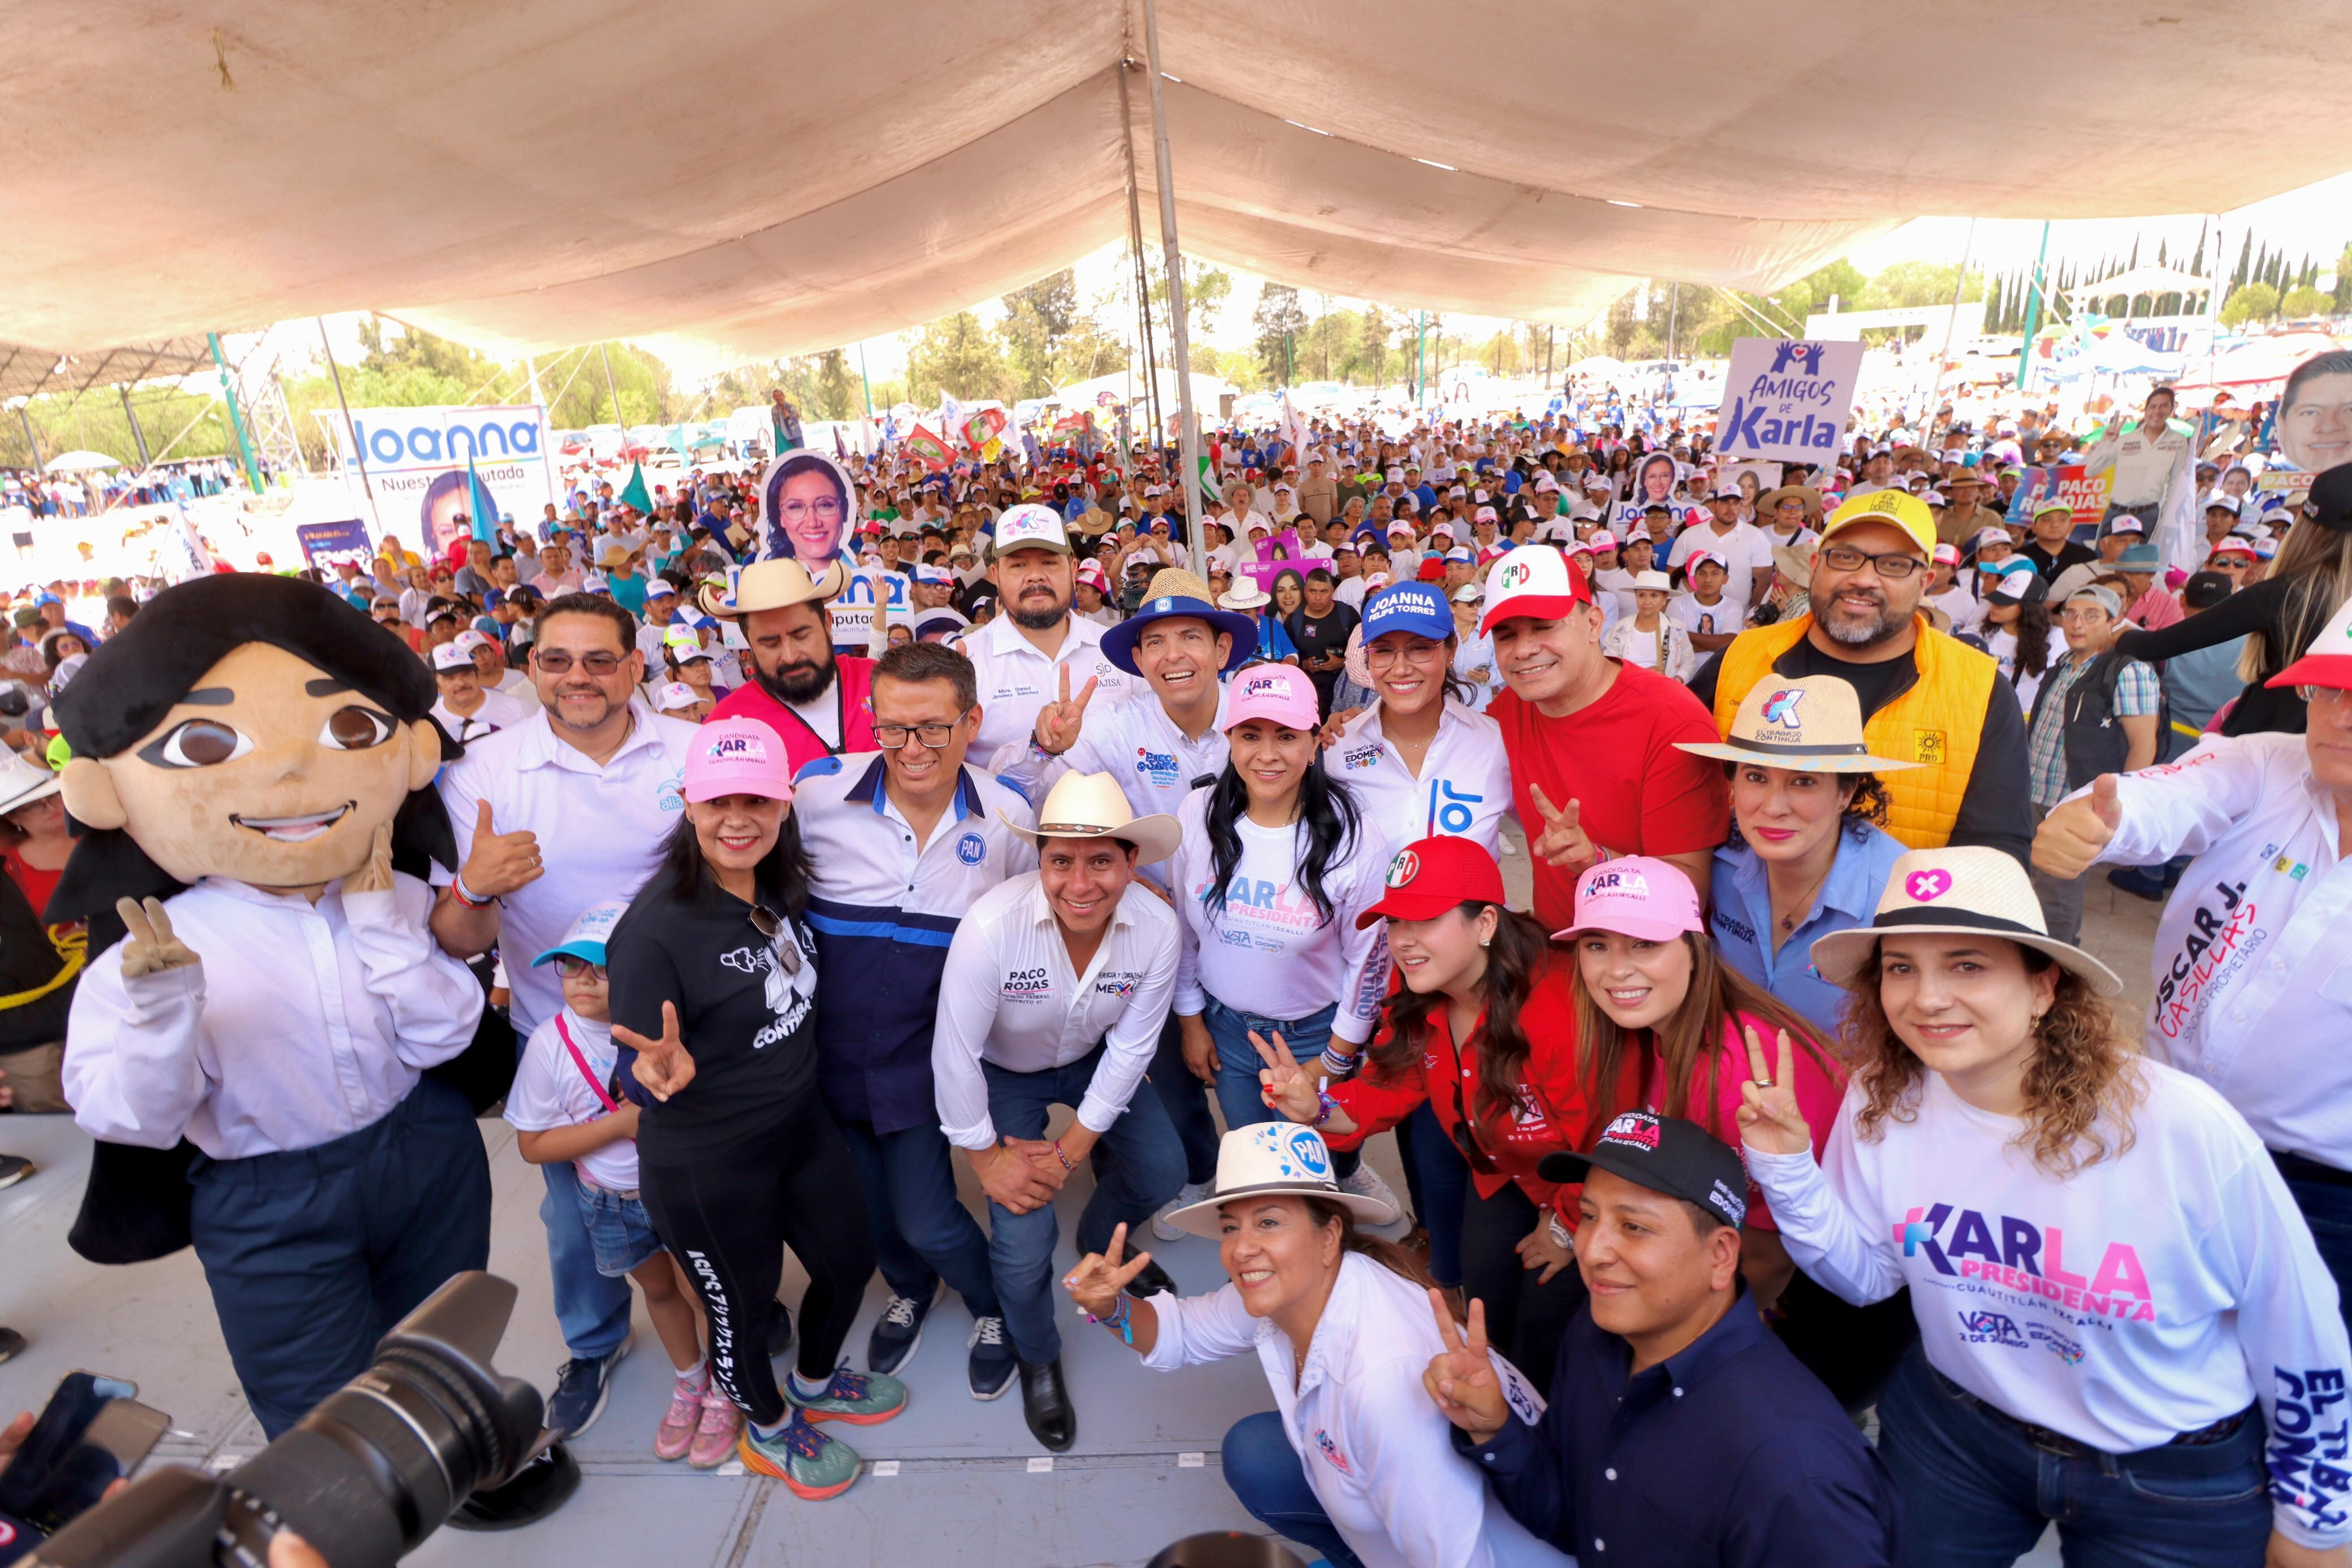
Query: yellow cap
{"points": [[1905, 510]]}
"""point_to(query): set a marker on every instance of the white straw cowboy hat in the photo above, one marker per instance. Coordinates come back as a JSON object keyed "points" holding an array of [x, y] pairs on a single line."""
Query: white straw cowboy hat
{"points": [[1960, 891], [1092, 806], [771, 585], [1275, 1159], [1812, 724], [24, 780]]}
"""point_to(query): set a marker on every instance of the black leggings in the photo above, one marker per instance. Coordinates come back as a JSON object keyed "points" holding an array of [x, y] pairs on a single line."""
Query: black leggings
{"points": [[728, 1221], [1525, 1320]]}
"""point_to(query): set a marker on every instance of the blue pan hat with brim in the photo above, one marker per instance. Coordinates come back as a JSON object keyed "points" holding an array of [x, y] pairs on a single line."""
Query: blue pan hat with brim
{"points": [[1173, 594]]}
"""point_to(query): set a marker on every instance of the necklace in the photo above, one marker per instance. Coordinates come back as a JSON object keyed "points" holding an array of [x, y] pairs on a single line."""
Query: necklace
{"points": [[1804, 905]]}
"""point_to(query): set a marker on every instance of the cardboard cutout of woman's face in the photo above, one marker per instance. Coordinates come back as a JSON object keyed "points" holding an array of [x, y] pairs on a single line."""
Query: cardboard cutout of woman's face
{"points": [[270, 772]]}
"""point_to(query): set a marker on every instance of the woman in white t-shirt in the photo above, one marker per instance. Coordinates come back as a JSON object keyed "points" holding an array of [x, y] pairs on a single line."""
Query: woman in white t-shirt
{"points": [[2125, 1325], [1276, 862]]}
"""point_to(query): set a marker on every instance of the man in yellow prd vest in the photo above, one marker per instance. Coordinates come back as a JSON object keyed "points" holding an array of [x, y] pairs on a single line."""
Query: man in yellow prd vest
{"points": [[1925, 697]]}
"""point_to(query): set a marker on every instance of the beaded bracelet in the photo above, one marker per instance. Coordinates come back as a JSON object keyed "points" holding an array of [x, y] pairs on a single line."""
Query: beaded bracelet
{"points": [[1324, 1106], [1337, 1066], [1123, 1320], [1059, 1154]]}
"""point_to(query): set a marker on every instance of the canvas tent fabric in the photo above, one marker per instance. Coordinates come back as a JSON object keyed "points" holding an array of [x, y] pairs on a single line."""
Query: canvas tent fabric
{"points": [[764, 178]]}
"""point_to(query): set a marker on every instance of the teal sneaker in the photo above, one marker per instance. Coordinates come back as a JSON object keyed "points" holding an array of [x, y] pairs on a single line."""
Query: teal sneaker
{"points": [[860, 1398], [814, 1466]]}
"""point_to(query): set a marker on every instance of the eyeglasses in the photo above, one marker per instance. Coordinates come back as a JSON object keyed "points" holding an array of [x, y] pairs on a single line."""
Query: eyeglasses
{"points": [[826, 508], [892, 737], [556, 661], [1893, 565], [1417, 652], [572, 967], [786, 947], [2322, 697]]}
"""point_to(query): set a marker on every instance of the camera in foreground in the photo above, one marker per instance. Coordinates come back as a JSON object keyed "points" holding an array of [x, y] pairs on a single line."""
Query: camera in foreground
{"points": [[382, 1463]]}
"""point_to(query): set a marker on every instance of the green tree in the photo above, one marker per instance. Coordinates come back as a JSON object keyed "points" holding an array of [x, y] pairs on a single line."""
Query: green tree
{"points": [[2254, 302], [1279, 320], [2307, 301], [956, 354]]}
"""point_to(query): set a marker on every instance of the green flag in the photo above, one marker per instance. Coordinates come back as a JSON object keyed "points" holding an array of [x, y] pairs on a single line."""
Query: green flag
{"points": [[634, 493]]}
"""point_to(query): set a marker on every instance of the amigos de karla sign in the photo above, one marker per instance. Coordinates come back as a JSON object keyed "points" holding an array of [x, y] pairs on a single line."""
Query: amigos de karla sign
{"points": [[416, 461], [1787, 399]]}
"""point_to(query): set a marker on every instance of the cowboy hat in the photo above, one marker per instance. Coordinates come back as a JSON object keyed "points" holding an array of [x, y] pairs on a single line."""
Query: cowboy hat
{"points": [[1771, 499], [1176, 594], [24, 780], [1812, 724], [1275, 1159], [1958, 890], [771, 585], [1092, 806]]}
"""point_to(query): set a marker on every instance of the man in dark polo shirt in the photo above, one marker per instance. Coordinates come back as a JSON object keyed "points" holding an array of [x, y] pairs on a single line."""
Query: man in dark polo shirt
{"points": [[1680, 1431]]}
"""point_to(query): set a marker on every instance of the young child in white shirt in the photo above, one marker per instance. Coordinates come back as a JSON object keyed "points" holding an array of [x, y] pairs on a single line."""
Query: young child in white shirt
{"points": [[565, 1107]]}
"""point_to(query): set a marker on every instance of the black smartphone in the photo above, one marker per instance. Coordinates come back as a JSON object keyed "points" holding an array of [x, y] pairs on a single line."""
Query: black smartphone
{"points": [[92, 1433]]}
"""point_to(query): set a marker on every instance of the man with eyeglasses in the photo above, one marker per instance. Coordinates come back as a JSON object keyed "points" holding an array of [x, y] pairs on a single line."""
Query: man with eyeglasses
{"points": [[899, 845], [1925, 697], [566, 809]]}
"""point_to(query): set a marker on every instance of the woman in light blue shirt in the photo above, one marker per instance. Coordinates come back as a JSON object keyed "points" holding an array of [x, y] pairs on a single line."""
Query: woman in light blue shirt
{"points": [[1806, 853]]}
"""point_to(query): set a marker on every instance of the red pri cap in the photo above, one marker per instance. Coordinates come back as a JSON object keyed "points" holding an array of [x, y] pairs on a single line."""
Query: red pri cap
{"points": [[1432, 875]]}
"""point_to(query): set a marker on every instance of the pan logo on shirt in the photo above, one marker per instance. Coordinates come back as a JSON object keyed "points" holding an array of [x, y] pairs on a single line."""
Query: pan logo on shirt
{"points": [[2026, 1260], [1331, 1452], [1027, 985], [972, 849]]}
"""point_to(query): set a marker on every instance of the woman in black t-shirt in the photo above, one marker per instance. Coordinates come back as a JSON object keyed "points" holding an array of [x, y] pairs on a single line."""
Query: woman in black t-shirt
{"points": [[713, 984]]}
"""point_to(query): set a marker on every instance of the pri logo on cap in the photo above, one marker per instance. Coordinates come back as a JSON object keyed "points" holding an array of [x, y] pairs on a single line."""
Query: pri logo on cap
{"points": [[1927, 886], [1634, 1129], [1780, 707], [1515, 574], [1403, 868]]}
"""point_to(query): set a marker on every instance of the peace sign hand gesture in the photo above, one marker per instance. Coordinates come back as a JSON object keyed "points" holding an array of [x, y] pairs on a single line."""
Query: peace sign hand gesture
{"points": [[1769, 1121], [1288, 1088], [1461, 1379], [1563, 844], [151, 948], [1096, 1283], [1059, 723], [663, 1065]]}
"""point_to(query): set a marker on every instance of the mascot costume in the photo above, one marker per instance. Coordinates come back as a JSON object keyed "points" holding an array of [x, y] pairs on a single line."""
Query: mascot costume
{"points": [[252, 779]]}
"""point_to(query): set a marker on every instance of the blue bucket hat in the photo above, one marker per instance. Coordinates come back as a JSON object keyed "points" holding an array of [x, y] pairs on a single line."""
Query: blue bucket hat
{"points": [[1415, 607], [1119, 642], [586, 938]]}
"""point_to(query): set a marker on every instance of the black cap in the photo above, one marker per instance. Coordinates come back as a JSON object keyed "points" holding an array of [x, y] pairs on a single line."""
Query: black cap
{"points": [[2329, 504], [1664, 1153]]}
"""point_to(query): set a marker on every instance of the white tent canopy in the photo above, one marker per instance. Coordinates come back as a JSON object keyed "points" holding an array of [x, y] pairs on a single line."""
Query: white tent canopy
{"points": [[1206, 388], [2142, 280], [763, 178]]}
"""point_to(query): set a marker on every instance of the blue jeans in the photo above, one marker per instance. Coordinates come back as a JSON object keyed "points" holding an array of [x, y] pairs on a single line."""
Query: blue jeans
{"points": [[1186, 1099], [1137, 1164], [1265, 1473], [618, 1229], [592, 1310], [1976, 1492], [922, 1231], [1439, 1179], [1239, 1095], [2327, 1209]]}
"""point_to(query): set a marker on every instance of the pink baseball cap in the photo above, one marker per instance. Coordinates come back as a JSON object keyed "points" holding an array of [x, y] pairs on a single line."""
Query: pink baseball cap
{"points": [[737, 757], [1273, 691], [1638, 896]]}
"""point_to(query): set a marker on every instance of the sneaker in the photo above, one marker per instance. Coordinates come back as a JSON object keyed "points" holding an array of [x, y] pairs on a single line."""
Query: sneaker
{"points": [[1367, 1183], [1191, 1193], [581, 1390], [992, 1362], [860, 1398], [15, 1168], [715, 1434], [899, 1330], [814, 1465], [674, 1436]]}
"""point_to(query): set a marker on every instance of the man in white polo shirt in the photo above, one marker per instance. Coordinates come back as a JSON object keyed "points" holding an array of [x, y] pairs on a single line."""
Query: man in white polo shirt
{"points": [[565, 810], [1056, 985], [1745, 553], [1020, 655]]}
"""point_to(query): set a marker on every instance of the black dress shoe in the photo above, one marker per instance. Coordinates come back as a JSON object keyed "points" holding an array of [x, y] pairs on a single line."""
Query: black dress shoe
{"points": [[779, 1331], [1150, 1281], [1045, 1403]]}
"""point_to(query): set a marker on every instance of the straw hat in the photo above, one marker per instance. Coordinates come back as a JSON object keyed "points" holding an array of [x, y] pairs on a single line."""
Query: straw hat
{"points": [[1245, 594], [24, 780], [1092, 806], [1960, 891], [1812, 725], [1275, 1159], [771, 585], [1769, 499]]}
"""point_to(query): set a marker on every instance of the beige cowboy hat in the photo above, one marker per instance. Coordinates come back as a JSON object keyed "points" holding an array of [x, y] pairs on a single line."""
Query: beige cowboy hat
{"points": [[1960, 891], [24, 780], [1769, 499], [1275, 1159], [1795, 562], [1245, 594], [771, 585], [1812, 725], [1092, 806]]}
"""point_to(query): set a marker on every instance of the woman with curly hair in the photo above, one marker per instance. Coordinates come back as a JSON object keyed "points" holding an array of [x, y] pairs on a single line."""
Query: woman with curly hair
{"points": [[1808, 851], [2117, 1300]]}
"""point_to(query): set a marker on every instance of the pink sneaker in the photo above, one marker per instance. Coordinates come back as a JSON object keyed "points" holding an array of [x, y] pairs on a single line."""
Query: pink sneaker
{"points": [[714, 1439], [676, 1432]]}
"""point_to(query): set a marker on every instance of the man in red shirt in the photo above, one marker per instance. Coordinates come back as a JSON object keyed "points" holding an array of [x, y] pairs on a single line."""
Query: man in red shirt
{"points": [[820, 702], [1594, 768]]}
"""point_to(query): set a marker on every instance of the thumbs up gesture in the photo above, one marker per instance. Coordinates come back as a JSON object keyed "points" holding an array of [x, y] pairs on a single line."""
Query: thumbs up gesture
{"points": [[2072, 835], [1059, 723], [1563, 844], [663, 1065], [499, 862]]}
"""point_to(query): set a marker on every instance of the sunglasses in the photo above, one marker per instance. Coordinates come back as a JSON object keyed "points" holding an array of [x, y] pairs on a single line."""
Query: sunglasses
{"points": [[786, 948], [556, 661]]}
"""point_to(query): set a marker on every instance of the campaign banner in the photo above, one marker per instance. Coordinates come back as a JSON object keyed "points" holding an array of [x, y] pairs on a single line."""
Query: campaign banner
{"points": [[929, 449], [328, 545], [416, 461], [1787, 398], [1283, 552], [2086, 494], [983, 427]]}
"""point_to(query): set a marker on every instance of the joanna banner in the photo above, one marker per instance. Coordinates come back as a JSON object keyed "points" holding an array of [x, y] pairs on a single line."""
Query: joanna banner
{"points": [[416, 462]]}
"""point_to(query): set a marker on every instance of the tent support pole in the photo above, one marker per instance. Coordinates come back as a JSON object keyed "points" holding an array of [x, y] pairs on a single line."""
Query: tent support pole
{"points": [[1959, 286], [1173, 258], [1150, 350], [138, 436], [236, 415], [32, 442], [350, 431], [615, 391], [2033, 311]]}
